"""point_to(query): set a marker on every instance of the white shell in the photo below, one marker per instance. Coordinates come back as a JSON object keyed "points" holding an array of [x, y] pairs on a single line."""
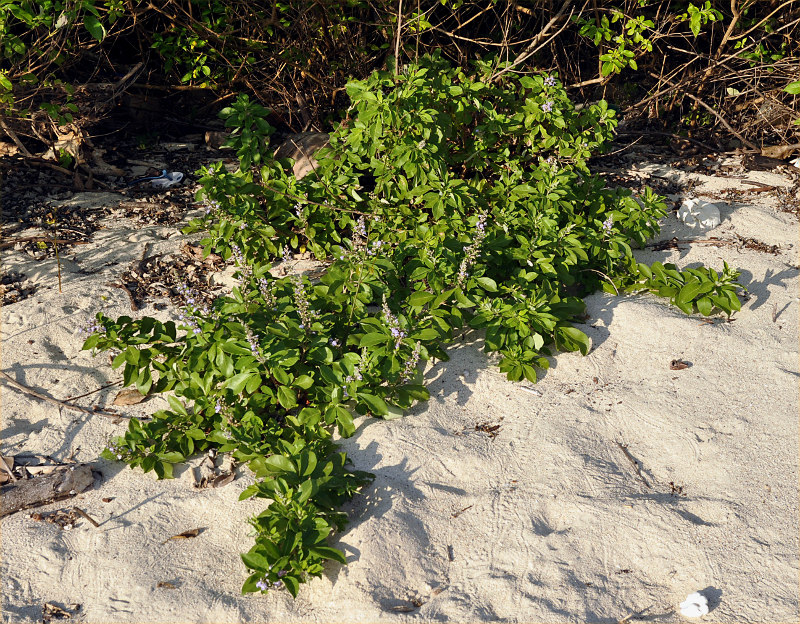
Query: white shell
{"points": [[695, 605], [697, 213], [795, 162], [171, 179]]}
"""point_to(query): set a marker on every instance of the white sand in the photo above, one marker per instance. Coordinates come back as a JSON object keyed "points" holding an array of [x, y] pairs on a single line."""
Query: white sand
{"points": [[548, 521]]}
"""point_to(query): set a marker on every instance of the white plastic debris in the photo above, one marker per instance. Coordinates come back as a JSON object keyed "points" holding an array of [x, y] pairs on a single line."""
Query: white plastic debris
{"points": [[695, 605], [168, 180], [795, 162], [698, 213]]}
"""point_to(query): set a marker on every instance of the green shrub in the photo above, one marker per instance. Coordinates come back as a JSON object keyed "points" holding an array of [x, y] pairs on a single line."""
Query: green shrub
{"points": [[444, 203]]}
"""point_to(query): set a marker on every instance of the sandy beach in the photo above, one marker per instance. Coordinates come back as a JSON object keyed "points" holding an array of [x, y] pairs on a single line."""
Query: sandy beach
{"points": [[614, 487]]}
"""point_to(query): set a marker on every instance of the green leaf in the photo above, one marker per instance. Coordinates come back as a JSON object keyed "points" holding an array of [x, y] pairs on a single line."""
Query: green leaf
{"points": [[704, 306], [95, 28], [292, 585], [373, 338], [487, 283], [255, 561], [238, 381], [173, 457], [163, 470], [572, 339], [278, 464], [375, 404], [344, 422], [132, 355], [793, 88], [420, 298], [329, 553], [287, 397], [688, 292], [119, 360], [176, 405]]}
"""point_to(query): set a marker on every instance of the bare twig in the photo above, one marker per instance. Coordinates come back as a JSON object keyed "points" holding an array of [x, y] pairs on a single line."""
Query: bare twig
{"points": [[134, 306], [397, 38], [15, 384], [721, 119], [8, 470], [12, 135], [534, 45], [83, 514], [624, 449], [36, 239]]}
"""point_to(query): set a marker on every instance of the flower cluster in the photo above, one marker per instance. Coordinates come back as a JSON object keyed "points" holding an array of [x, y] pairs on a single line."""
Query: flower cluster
{"points": [[411, 365], [116, 450], [550, 81], [264, 583], [192, 313], [472, 252], [92, 327], [245, 271], [547, 106], [265, 288], [393, 323], [301, 302], [255, 347], [608, 224], [360, 233], [375, 247], [211, 206], [298, 211]]}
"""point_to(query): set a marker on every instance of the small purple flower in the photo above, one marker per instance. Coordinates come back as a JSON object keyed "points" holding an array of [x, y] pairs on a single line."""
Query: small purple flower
{"points": [[218, 407], [472, 252], [411, 364], [547, 106], [333, 342], [253, 341], [302, 304], [550, 81], [608, 224], [361, 227], [238, 256], [262, 585], [265, 287]]}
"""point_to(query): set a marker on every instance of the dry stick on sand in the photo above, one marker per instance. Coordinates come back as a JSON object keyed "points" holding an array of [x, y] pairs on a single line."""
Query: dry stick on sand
{"points": [[14, 383], [83, 514], [624, 449]]}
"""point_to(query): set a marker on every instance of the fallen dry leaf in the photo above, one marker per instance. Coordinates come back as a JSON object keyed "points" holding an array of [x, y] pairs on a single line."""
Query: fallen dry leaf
{"points": [[166, 585], [678, 365], [130, 396], [50, 611], [186, 534], [108, 499], [222, 480]]}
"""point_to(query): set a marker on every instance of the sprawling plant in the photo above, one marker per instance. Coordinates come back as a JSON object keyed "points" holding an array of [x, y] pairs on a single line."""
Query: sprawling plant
{"points": [[445, 202]]}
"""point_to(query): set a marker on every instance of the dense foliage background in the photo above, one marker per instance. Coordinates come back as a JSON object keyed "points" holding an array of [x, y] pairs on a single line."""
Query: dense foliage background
{"points": [[717, 65]]}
